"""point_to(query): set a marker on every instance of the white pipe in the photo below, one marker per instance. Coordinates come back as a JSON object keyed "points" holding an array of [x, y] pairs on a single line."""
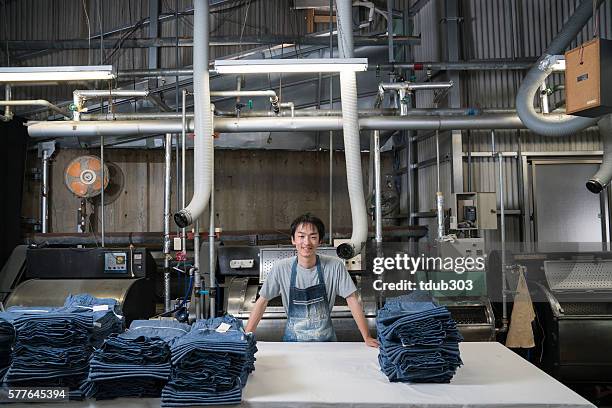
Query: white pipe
{"points": [[352, 144], [266, 124], [34, 102], [413, 86], [203, 142], [211, 253], [196, 264], [79, 97], [184, 168], [44, 216], [167, 182], [8, 115], [377, 187], [439, 194]]}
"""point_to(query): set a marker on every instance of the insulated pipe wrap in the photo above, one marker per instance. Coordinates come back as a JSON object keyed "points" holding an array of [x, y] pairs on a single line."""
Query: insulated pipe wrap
{"points": [[350, 127], [352, 152], [603, 176], [203, 126], [559, 125]]}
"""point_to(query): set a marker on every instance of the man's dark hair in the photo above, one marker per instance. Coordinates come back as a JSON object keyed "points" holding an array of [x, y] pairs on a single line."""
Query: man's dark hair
{"points": [[308, 218]]}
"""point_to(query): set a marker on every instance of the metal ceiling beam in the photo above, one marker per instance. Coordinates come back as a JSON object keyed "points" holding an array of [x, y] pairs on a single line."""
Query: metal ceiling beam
{"points": [[76, 44]]}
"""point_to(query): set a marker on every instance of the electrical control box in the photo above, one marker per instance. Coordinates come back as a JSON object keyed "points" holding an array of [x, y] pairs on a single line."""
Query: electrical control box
{"points": [[588, 79], [115, 262], [473, 211], [85, 263]]}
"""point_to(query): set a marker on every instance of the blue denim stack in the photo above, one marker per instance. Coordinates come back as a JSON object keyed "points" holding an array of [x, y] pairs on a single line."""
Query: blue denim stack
{"points": [[53, 345], [419, 341], [135, 363], [7, 338], [210, 364]]}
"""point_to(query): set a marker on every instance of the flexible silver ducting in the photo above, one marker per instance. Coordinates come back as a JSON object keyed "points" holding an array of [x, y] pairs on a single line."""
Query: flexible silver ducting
{"points": [[350, 128], [563, 125], [603, 176], [203, 126], [549, 125]]}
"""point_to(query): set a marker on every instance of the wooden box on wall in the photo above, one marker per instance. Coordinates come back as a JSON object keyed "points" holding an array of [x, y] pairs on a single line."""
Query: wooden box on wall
{"points": [[588, 79]]}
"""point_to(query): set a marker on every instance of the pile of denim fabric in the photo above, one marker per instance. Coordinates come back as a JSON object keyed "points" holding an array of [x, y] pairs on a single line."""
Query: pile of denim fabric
{"points": [[419, 341], [135, 363], [7, 338], [53, 345], [210, 364]]}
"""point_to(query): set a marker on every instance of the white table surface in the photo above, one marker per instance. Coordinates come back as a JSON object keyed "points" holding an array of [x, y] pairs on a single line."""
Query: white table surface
{"points": [[325, 375]]}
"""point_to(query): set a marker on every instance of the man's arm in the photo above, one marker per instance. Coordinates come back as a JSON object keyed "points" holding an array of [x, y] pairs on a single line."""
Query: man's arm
{"points": [[362, 324], [256, 314]]}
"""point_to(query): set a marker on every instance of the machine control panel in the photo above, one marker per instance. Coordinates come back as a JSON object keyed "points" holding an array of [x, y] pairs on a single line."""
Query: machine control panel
{"points": [[241, 263], [116, 262]]}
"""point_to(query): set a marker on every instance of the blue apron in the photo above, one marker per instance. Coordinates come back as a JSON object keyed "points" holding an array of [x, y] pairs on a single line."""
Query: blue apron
{"points": [[309, 314]]}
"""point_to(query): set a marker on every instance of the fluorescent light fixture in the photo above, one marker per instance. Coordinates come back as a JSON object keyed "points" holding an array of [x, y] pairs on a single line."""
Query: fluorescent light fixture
{"points": [[291, 65], [55, 74]]}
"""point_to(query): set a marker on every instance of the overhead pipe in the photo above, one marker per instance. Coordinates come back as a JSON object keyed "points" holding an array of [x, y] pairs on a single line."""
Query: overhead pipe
{"points": [[266, 124], [34, 102], [203, 142], [557, 125], [269, 93], [603, 176], [350, 127], [413, 86], [298, 112], [79, 97], [474, 65]]}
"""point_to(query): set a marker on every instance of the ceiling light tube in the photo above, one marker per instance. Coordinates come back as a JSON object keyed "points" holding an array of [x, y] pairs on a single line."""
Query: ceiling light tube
{"points": [[264, 66], [55, 74]]}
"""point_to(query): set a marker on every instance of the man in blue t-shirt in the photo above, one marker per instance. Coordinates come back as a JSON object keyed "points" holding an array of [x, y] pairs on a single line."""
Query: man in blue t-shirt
{"points": [[308, 284]]}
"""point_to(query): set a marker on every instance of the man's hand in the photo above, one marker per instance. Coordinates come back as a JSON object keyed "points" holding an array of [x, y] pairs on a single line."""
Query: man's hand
{"points": [[357, 312], [371, 342]]}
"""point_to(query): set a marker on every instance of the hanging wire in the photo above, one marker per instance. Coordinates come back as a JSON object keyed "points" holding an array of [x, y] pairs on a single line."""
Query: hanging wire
{"points": [[88, 33]]}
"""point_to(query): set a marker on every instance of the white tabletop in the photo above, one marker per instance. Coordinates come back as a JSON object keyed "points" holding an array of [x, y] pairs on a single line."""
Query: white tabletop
{"points": [[335, 375], [348, 375]]}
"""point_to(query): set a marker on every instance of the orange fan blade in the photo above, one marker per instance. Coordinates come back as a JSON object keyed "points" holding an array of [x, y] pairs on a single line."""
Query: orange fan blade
{"points": [[93, 164], [78, 188], [74, 169]]}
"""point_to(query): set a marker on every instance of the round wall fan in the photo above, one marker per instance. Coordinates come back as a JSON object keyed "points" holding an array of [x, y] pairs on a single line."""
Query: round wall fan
{"points": [[83, 176]]}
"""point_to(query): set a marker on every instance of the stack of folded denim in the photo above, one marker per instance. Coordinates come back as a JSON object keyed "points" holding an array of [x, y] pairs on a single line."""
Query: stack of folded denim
{"points": [[106, 315], [135, 363], [53, 345], [7, 338], [210, 364], [419, 341]]}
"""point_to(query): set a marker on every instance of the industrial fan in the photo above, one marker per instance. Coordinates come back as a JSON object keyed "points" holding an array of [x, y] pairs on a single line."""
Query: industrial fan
{"points": [[83, 178]]}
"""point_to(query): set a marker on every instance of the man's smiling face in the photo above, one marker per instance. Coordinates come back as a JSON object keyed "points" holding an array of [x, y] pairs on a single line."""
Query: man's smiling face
{"points": [[306, 240]]}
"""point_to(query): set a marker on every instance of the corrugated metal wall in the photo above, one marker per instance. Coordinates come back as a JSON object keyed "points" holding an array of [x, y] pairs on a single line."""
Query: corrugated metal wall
{"points": [[489, 29], [509, 29]]}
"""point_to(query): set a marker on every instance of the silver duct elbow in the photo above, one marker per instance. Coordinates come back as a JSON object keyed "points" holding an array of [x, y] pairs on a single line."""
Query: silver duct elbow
{"points": [[557, 125], [603, 176], [203, 126]]}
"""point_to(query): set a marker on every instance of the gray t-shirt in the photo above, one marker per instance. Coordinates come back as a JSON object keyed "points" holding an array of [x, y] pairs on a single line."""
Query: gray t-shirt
{"points": [[337, 279]]}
